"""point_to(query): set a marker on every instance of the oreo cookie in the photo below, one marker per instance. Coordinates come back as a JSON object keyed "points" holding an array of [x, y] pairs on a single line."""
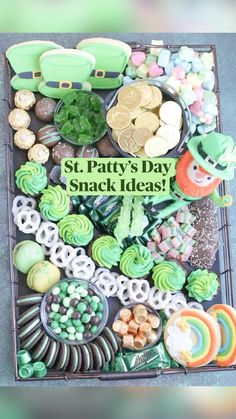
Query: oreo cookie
{"points": [[28, 315], [106, 347], [29, 328], [32, 340], [51, 354], [41, 348], [62, 357], [74, 360], [26, 300], [79, 359], [97, 356], [111, 337], [86, 358]]}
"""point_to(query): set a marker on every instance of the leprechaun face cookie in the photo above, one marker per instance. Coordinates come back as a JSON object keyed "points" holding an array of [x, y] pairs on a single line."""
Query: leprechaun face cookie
{"points": [[198, 175], [192, 179]]}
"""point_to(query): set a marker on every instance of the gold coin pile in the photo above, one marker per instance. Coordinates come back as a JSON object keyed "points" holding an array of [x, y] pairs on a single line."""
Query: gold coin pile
{"points": [[143, 124]]}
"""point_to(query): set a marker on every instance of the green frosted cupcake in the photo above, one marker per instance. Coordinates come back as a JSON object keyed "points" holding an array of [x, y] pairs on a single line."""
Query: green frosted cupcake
{"points": [[76, 230], [106, 251], [136, 261], [54, 203], [168, 276], [31, 178], [202, 285]]}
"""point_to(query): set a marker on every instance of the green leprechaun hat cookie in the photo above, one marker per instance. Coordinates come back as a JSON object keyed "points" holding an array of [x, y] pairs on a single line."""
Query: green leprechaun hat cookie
{"points": [[24, 60], [216, 153], [111, 59], [65, 70]]}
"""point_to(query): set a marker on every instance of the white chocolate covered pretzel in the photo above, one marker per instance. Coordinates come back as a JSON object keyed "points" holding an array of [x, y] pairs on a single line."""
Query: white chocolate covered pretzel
{"points": [[47, 234], [28, 221], [138, 290], [20, 202]]}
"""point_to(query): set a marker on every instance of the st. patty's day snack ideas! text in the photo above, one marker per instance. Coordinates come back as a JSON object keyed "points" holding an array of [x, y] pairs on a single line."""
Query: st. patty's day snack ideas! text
{"points": [[114, 177]]}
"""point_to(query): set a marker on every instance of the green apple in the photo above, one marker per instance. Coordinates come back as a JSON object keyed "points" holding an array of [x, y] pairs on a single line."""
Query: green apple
{"points": [[26, 254]]}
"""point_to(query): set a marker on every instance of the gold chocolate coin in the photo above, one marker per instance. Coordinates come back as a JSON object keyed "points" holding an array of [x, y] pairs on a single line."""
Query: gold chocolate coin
{"points": [[146, 93], [126, 141], [118, 117], [170, 133], [171, 113], [156, 146], [156, 98], [134, 113], [141, 153], [130, 97], [141, 135], [148, 120]]}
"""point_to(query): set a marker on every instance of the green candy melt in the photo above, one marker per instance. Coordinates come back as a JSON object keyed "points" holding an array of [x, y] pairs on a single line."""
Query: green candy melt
{"points": [[80, 118]]}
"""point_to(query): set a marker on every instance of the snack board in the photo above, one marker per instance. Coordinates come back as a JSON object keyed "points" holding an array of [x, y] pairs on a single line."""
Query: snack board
{"points": [[19, 287]]}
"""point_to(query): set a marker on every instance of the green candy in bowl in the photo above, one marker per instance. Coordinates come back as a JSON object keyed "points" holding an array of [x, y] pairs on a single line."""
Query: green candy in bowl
{"points": [[79, 118]]}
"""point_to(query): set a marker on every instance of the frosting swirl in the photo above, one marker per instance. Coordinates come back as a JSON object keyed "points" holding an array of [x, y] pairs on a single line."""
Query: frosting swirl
{"points": [[54, 203], [202, 285], [168, 276], [136, 261], [76, 230], [31, 178], [106, 251]]}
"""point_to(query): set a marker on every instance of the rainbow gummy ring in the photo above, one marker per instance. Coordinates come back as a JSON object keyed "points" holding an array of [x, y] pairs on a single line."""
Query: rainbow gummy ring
{"points": [[226, 318], [192, 337]]}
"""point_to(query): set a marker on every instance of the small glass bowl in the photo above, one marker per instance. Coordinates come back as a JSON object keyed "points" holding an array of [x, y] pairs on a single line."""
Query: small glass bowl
{"points": [[87, 285], [75, 142], [150, 311]]}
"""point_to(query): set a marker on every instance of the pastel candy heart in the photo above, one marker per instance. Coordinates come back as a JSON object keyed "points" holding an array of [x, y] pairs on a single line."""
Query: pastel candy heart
{"points": [[127, 80], [131, 71], [187, 94], [195, 108], [198, 93], [193, 80], [209, 85], [137, 58], [209, 97], [205, 129], [210, 109], [193, 128], [186, 54], [142, 71], [196, 65], [169, 67], [178, 72], [208, 60], [150, 59], [164, 58], [174, 83], [155, 71]]}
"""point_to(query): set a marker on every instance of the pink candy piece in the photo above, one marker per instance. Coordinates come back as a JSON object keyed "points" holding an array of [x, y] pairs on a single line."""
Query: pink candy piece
{"points": [[155, 71], [138, 58], [151, 246], [199, 93], [191, 232], [173, 254], [176, 243], [195, 108], [164, 246], [178, 72], [183, 258]]}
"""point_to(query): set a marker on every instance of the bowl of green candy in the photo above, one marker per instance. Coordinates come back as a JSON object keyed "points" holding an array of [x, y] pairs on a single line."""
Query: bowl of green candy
{"points": [[79, 118]]}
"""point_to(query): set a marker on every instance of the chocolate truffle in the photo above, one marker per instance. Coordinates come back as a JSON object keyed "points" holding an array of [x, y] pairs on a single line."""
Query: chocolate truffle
{"points": [[18, 118], [87, 151], [60, 151], [38, 153], [45, 108], [24, 138], [106, 148], [48, 135], [24, 99]]}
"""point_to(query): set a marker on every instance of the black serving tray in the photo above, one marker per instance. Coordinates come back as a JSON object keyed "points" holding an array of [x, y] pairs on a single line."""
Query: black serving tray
{"points": [[222, 265]]}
